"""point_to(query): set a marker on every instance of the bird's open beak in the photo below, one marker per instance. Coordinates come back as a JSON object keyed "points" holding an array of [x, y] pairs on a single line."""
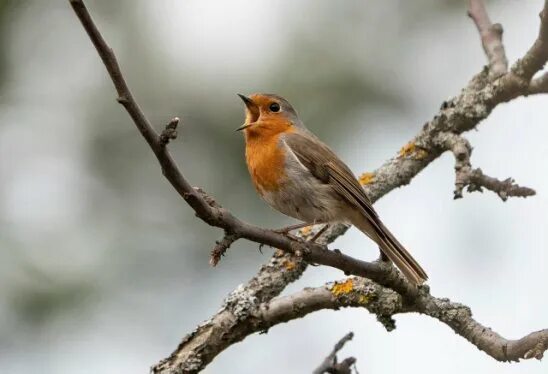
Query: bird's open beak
{"points": [[243, 127], [248, 102], [252, 111]]}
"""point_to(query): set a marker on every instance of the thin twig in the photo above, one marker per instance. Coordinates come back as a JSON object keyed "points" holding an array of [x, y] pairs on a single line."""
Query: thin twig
{"points": [[504, 188], [330, 364], [491, 38], [221, 247]]}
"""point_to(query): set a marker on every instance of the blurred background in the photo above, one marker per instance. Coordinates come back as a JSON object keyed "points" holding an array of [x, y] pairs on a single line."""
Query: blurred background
{"points": [[103, 268]]}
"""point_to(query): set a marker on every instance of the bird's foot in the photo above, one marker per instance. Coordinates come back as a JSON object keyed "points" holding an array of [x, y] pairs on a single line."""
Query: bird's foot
{"points": [[319, 233]]}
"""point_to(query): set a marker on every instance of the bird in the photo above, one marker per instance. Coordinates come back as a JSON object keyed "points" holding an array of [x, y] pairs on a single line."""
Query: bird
{"points": [[301, 177]]}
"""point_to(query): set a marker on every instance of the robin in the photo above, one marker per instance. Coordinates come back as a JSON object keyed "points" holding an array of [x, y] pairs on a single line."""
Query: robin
{"points": [[298, 175]]}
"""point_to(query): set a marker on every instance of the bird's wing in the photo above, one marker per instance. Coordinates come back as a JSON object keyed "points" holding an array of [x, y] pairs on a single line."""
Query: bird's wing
{"points": [[324, 164]]}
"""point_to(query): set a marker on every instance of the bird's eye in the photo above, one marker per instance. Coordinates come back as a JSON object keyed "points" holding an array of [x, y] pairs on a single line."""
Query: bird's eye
{"points": [[274, 107]]}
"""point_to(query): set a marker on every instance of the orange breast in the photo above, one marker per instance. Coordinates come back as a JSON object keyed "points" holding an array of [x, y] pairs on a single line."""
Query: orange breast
{"points": [[265, 161]]}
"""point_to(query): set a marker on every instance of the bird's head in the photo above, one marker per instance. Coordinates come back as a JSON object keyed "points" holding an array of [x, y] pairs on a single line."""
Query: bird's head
{"points": [[268, 114]]}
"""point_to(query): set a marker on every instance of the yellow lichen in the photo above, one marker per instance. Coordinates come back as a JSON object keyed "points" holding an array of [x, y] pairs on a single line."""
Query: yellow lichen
{"points": [[366, 178], [339, 289], [305, 230], [289, 265], [407, 149], [362, 299], [420, 154], [411, 149]]}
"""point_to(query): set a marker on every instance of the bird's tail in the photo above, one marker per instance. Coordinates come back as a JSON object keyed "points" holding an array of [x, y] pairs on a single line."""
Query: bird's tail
{"points": [[393, 249]]}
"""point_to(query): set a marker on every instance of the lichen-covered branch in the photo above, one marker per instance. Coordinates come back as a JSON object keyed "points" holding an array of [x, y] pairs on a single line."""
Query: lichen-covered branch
{"points": [[535, 58], [491, 38], [504, 188], [234, 321], [243, 314], [254, 307], [474, 179], [385, 303], [331, 365]]}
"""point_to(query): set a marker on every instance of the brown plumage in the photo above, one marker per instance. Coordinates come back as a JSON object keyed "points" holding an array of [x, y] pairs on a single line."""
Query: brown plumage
{"points": [[302, 177]]}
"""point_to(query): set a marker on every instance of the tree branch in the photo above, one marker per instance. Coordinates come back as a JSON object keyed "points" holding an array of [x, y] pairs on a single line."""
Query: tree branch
{"points": [[252, 306], [250, 316], [385, 303], [221, 247], [474, 179], [536, 56], [491, 38], [330, 364], [539, 85]]}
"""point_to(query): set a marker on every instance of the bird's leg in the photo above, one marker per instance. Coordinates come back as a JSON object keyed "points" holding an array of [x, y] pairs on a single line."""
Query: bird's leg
{"points": [[316, 236], [319, 233]]}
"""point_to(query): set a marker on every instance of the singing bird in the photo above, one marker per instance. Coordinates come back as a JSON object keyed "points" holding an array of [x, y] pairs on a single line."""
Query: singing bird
{"points": [[298, 175]]}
